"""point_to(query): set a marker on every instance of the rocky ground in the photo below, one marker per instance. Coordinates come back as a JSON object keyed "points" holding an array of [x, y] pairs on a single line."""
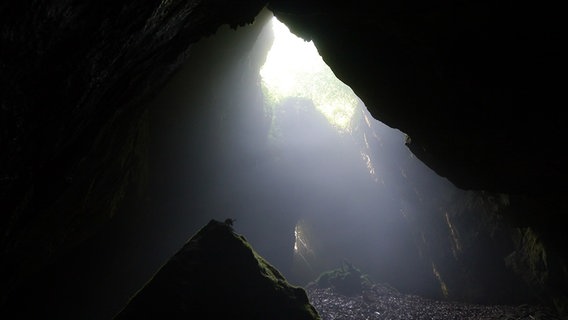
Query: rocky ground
{"points": [[382, 302]]}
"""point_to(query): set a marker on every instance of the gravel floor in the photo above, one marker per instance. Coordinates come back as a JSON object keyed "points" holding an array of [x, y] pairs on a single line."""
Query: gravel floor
{"points": [[382, 302]]}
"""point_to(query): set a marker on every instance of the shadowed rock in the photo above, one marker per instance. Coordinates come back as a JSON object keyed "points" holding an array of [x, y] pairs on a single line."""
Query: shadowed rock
{"points": [[217, 275]]}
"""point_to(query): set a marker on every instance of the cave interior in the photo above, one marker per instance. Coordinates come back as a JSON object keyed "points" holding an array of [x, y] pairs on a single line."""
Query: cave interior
{"points": [[127, 126]]}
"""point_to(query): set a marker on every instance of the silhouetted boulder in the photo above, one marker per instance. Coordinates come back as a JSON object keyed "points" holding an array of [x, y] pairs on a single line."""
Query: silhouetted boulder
{"points": [[218, 275]]}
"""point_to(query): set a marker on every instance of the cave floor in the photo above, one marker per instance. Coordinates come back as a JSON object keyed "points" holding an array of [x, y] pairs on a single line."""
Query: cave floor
{"points": [[379, 301]]}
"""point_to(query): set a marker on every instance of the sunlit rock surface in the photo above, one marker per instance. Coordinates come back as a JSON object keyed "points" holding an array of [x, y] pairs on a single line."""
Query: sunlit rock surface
{"points": [[218, 275]]}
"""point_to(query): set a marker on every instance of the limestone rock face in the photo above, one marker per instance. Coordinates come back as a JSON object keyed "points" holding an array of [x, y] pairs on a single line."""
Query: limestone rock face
{"points": [[218, 275]]}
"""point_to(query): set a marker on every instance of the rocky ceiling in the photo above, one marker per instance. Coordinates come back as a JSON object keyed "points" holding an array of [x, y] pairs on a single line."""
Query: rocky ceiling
{"points": [[474, 84]]}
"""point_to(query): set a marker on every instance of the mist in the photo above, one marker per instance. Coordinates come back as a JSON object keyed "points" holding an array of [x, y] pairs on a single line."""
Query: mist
{"points": [[282, 168]]}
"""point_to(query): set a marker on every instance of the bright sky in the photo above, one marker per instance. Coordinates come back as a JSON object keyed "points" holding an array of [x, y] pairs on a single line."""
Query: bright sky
{"points": [[294, 68]]}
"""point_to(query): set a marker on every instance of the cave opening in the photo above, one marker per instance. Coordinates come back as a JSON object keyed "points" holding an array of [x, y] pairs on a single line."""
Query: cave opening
{"points": [[311, 184]]}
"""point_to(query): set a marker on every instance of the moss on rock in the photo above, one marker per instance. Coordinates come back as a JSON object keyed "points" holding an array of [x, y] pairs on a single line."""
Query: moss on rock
{"points": [[218, 275]]}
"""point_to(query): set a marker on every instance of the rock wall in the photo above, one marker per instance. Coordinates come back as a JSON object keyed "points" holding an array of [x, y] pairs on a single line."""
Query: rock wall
{"points": [[74, 134]]}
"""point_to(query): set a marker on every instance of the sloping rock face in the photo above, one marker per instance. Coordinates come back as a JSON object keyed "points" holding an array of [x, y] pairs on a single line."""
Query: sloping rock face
{"points": [[218, 275]]}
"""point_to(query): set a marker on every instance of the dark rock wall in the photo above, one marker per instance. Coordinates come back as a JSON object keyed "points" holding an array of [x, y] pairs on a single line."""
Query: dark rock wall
{"points": [[74, 74], [185, 131]]}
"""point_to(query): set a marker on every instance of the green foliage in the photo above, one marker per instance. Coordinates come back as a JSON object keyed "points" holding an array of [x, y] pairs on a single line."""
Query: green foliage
{"points": [[529, 260]]}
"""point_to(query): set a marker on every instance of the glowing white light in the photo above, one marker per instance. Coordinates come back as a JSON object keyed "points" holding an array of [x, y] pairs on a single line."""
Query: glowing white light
{"points": [[288, 59], [294, 68]]}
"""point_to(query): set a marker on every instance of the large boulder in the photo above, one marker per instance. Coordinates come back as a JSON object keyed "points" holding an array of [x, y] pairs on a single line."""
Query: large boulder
{"points": [[218, 275]]}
